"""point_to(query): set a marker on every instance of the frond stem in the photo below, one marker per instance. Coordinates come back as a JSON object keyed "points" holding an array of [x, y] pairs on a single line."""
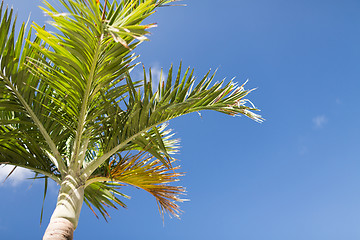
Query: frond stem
{"points": [[98, 179], [75, 161]]}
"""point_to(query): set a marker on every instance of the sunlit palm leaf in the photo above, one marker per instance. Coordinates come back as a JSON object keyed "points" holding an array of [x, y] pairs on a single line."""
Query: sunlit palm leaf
{"points": [[101, 195], [25, 128], [87, 61], [146, 110], [20, 149]]}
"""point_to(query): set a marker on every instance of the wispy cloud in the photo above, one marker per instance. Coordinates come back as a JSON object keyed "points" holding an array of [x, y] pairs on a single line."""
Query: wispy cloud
{"points": [[17, 177], [320, 121]]}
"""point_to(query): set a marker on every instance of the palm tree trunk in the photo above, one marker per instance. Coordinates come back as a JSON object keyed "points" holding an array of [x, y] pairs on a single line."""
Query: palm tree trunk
{"points": [[59, 229], [65, 218]]}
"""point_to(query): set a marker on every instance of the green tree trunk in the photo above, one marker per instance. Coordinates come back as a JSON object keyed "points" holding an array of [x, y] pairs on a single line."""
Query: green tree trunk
{"points": [[65, 218]]}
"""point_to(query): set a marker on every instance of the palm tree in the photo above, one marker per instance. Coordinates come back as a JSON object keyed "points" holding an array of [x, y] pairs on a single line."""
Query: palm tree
{"points": [[71, 112]]}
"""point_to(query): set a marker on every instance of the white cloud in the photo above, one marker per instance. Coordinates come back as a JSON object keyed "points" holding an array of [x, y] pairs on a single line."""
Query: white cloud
{"points": [[17, 177], [320, 121]]}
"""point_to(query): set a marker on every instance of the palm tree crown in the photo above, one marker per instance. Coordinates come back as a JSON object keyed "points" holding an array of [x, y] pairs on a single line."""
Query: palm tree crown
{"points": [[70, 108]]}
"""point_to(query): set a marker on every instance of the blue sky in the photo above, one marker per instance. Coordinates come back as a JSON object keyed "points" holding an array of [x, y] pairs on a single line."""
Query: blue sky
{"points": [[296, 176]]}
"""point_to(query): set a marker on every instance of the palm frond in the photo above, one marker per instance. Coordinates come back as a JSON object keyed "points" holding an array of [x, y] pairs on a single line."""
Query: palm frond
{"points": [[85, 63], [144, 171], [23, 122], [21, 150], [146, 110], [100, 195]]}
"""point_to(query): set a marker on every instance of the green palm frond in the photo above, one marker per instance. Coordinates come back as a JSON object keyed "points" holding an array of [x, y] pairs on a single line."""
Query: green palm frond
{"points": [[99, 195], [21, 150], [23, 123], [136, 128], [86, 62]]}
